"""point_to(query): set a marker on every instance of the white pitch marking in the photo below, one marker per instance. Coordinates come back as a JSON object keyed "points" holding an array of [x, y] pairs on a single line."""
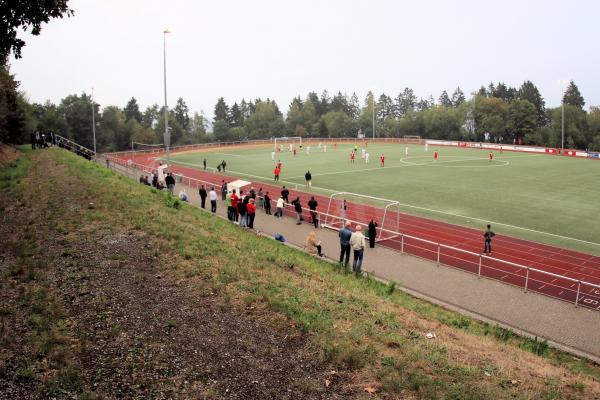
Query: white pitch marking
{"points": [[561, 292], [541, 287], [410, 205]]}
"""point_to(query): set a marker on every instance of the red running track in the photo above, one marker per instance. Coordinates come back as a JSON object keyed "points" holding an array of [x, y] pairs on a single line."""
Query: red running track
{"points": [[566, 263]]}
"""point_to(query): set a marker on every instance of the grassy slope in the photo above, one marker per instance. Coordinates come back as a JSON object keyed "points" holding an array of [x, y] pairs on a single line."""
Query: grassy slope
{"points": [[549, 194], [357, 323]]}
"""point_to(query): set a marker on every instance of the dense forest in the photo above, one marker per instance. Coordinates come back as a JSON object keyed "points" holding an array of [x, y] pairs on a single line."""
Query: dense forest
{"points": [[496, 113]]}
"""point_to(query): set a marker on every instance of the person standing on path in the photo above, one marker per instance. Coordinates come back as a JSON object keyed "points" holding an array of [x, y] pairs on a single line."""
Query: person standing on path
{"points": [[487, 237], [203, 194], [204, 163], [357, 241], [343, 208], [280, 204], [212, 195], [312, 205], [298, 209], [267, 204], [372, 233], [223, 190], [228, 204], [242, 210], [170, 182], [345, 234], [308, 178], [285, 194], [261, 198], [251, 213], [234, 202]]}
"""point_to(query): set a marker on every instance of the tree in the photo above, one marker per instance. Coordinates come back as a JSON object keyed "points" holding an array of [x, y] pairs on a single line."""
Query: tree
{"points": [[522, 119], [222, 111], [265, 122], [575, 127], [490, 116], [221, 131], [12, 116], [150, 117], [340, 103], [406, 102], [353, 106], [458, 97], [385, 107], [593, 122], [112, 133], [198, 126], [572, 96], [324, 104], [181, 112], [337, 123], [444, 100], [310, 118], [528, 91], [21, 14], [237, 118], [443, 123], [504, 92], [78, 114], [132, 111]]}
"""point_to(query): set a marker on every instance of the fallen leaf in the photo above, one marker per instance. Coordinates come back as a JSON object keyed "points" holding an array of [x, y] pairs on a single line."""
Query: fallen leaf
{"points": [[327, 382], [370, 389]]}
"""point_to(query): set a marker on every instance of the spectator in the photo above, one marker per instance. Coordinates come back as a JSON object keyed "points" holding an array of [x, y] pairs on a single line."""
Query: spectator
{"points": [[228, 204], [267, 204], [212, 195], [170, 181], [204, 162], [253, 193], [154, 178], [183, 196], [357, 241], [260, 198], [313, 246], [280, 204], [343, 208], [298, 209], [223, 190], [487, 236], [312, 205], [345, 234], [234, 202], [242, 212], [219, 168], [223, 165], [372, 233], [285, 194], [251, 213], [203, 194], [146, 180], [142, 179]]}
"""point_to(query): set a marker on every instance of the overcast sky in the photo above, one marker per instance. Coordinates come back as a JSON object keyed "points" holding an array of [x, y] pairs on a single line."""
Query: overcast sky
{"points": [[280, 49]]}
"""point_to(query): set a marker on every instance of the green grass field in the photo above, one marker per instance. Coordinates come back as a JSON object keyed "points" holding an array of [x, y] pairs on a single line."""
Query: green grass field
{"points": [[543, 198]]}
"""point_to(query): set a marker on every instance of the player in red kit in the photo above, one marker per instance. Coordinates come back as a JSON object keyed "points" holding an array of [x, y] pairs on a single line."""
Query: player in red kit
{"points": [[382, 160], [279, 164], [491, 156], [294, 151], [435, 155], [352, 157]]}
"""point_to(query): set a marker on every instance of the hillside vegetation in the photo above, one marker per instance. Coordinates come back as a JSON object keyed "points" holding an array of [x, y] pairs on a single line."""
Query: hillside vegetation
{"points": [[109, 290]]}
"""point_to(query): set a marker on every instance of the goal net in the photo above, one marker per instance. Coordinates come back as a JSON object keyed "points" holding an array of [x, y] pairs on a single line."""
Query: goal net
{"points": [[361, 209], [414, 139], [147, 147], [287, 143]]}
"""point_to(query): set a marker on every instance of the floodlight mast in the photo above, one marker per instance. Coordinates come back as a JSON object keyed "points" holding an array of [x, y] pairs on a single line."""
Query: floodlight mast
{"points": [[167, 137], [562, 83]]}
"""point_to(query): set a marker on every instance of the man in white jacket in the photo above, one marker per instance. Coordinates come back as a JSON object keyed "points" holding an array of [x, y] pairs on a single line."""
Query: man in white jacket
{"points": [[280, 204], [357, 242]]}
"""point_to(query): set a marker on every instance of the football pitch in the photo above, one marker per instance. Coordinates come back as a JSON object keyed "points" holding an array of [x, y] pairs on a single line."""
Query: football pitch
{"points": [[548, 199]]}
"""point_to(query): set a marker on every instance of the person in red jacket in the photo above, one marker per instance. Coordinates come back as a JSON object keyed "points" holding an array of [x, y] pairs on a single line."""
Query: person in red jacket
{"points": [[352, 157], [435, 155], [382, 160], [276, 171], [251, 210], [234, 203], [491, 156]]}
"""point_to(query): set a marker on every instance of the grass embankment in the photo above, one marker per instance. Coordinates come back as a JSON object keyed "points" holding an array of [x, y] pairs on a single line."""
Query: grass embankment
{"points": [[357, 325]]}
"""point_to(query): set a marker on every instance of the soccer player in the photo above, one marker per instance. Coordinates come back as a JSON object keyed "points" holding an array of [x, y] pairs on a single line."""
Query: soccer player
{"points": [[406, 150], [355, 148], [363, 152], [279, 165], [426, 147], [351, 157], [382, 160], [491, 156], [276, 172], [335, 146], [324, 148], [367, 157], [307, 150], [435, 155], [273, 155], [294, 152], [291, 147]]}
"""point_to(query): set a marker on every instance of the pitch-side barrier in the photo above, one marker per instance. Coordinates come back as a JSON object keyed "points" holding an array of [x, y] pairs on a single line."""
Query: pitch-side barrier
{"points": [[578, 292]]}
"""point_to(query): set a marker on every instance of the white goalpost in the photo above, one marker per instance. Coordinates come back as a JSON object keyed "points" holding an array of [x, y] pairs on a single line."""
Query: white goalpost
{"points": [[283, 143], [137, 146], [360, 209]]}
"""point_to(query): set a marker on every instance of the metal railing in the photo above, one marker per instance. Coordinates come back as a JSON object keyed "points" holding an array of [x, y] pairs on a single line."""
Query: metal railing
{"points": [[577, 291]]}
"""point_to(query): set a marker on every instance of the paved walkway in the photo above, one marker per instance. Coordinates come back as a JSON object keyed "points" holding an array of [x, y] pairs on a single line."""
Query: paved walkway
{"points": [[565, 326]]}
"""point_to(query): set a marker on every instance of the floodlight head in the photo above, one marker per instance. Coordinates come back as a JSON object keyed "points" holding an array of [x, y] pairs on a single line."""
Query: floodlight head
{"points": [[167, 31], [562, 82]]}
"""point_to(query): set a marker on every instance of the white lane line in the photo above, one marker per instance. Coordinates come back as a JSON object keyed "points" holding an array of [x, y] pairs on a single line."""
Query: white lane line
{"points": [[410, 205], [504, 276], [561, 292], [553, 280], [541, 287], [572, 285]]}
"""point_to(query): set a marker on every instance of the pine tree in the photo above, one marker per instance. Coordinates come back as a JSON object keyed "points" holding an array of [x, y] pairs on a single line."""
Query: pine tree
{"points": [[182, 114], [222, 111], [458, 97], [132, 110], [528, 91], [444, 99], [573, 97], [237, 119]]}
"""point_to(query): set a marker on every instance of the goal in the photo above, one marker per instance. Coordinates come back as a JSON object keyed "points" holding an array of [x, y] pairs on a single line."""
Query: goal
{"points": [[360, 209], [147, 147], [284, 143], [414, 139]]}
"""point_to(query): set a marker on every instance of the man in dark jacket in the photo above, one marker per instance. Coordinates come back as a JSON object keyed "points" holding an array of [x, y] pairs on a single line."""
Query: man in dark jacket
{"points": [[312, 205], [308, 178], [285, 194], [170, 182], [298, 209], [202, 192]]}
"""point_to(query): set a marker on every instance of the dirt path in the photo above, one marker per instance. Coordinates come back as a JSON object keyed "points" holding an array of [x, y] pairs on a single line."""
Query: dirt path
{"points": [[124, 325]]}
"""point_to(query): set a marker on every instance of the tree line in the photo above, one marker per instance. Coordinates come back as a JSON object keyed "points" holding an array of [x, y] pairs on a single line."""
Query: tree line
{"points": [[495, 113]]}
